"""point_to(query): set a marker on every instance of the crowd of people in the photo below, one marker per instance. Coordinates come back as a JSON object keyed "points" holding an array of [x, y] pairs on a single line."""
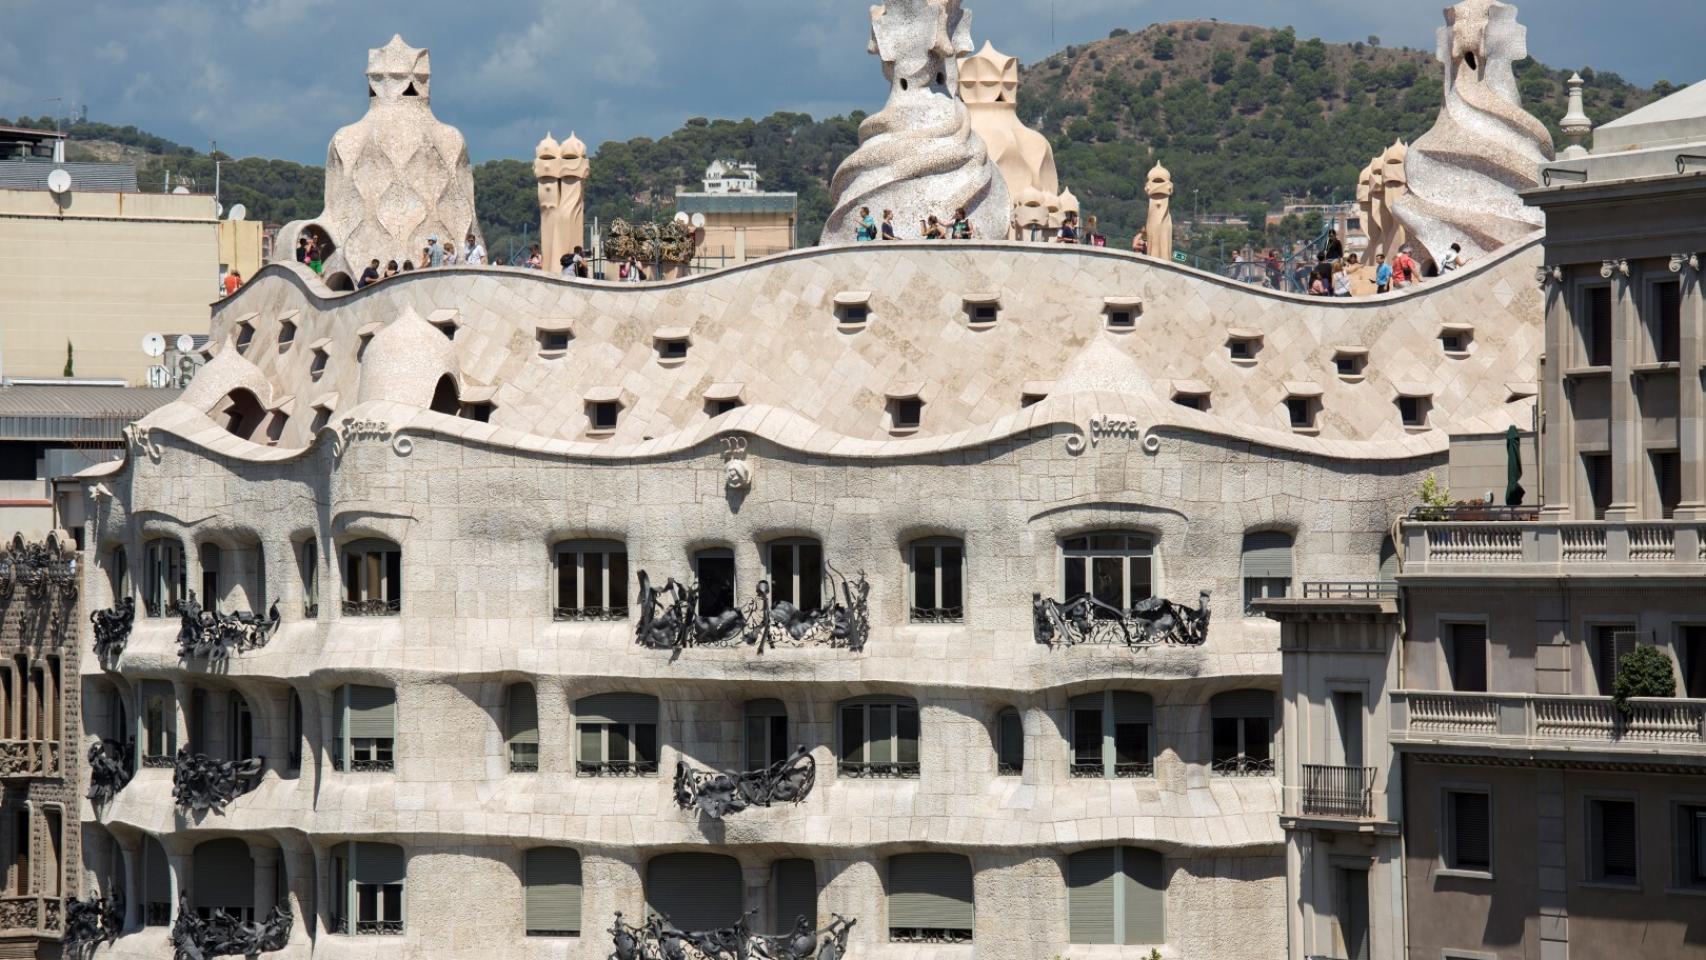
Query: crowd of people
{"points": [[1334, 273], [869, 229]]}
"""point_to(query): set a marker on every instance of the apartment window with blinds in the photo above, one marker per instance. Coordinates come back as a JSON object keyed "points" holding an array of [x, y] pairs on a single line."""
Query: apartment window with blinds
{"points": [[212, 559], [159, 717], [1116, 895], [1467, 653], [366, 729], [1613, 842], [1111, 735], [1611, 643], [551, 878], [1115, 569], [1266, 567], [1664, 321], [879, 737], [696, 891], [367, 889], [938, 581], [118, 569], [616, 735], [1691, 640], [521, 728], [766, 733], [793, 895], [162, 577], [373, 578], [592, 581], [239, 727], [223, 875], [1242, 731], [1690, 845], [1009, 743], [930, 898], [1468, 834], [796, 574]]}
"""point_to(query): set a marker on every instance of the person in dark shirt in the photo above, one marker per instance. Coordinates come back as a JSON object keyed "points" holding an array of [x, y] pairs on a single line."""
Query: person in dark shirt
{"points": [[888, 225], [1335, 249], [302, 250], [369, 276], [1069, 229]]}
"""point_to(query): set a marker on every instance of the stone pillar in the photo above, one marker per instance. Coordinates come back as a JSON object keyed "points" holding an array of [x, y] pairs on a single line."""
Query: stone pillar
{"points": [[1626, 466], [1557, 441], [300, 873], [1691, 403], [183, 877], [1550, 861], [266, 879]]}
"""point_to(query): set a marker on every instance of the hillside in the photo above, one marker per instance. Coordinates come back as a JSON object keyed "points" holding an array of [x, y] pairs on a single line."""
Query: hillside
{"points": [[1246, 118]]}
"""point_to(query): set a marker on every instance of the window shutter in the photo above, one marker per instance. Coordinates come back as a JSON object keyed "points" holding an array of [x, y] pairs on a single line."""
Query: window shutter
{"points": [[930, 891], [1700, 844], [1012, 734], [157, 872], [378, 863], [1472, 840], [1617, 838], [1090, 896], [795, 883], [617, 708], [1145, 890], [591, 743], [224, 875], [372, 712], [1267, 554], [1133, 707], [1236, 704], [1353, 926], [523, 714], [1469, 657], [696, 891], [553, 879]]}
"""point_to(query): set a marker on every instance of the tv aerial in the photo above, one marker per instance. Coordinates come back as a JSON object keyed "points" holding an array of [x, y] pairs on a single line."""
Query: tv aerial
{"points": [[153, 345], [59, 181]]}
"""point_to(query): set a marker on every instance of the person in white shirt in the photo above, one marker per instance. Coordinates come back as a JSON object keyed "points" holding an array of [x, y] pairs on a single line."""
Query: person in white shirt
{"points": [[1453, 258], [476, 255]]}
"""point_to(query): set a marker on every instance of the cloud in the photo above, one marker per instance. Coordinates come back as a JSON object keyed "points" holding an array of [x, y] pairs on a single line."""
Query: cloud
{"points": [[608, 40], [277, 14]]}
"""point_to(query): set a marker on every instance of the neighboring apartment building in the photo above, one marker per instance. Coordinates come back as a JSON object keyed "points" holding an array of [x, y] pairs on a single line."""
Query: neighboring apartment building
{"points": [[741, 221]]}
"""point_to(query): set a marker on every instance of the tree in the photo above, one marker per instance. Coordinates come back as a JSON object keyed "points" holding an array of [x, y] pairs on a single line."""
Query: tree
{"points": [[1373, 40], [1224, 62], [68, 364], [1164, 48], [1642, 672]]}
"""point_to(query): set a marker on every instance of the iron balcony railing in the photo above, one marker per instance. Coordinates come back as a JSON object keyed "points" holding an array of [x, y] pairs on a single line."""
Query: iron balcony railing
{"points": [[1350, 590], [1243, 766], [862, 770], [1335, 791], [937, 614], [589, 614], [1125, 770], [616, 768], [372, 608]]}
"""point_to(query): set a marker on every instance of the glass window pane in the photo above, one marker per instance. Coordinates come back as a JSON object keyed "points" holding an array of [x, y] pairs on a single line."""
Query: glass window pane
{"points": [[716, 584], [1131, 743], [882, 734], [568, 582], [952, 561], [782, 573], [1074, 577], [616, 735], [393, 903], [757, 742], [853, 734], [1108, 578], [811, 576], [779, 748], [1087, 736], [618, 578], [907, 733], [646, 742], [592, 579], [1225, 738], [924, 577], [1142, 585], [367, 902], [1256, 738]]}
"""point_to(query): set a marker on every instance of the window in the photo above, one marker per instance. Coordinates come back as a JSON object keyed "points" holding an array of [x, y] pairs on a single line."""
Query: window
{"points": [[1349, 363], [1664, 322], [1266, 567], [1596, 327], [1613, 842], [1116, 895], [796, 574], [1413, 411], [162, 577], [308, 557], [717, 408], [592, 580], [1191, 401], [245, 335], [53, 870], [223, 878], [211, 558], [930, 898], [322, 416], [159, 716], [1596, 470], [373, 578], [1693, 658], [1009, 743], [1468, 830], [793, 894], [616, 735], [1243, 730], [1301, 411], [1111, 734], [1243, 345], [239, 728], [1455, 341], [20, 878], [905, 413], [1667, 480], [1031, 399], [938, 581], [156, 884], [672, 349], [286, 335], [1121, 319], [294, 760], [1116, 569], [1350, 908], [552, 878], [1467, 656], [852, 314], [879, 737], [1611, 643], [479, 411], [983, 314], [317, 368], [603, 415], [1347, 731], [367, 888], [715, 571], [1690, 845], [554, 343], [118, 570], [766, 733], [696, 891], [366, 728], [521, 728]]}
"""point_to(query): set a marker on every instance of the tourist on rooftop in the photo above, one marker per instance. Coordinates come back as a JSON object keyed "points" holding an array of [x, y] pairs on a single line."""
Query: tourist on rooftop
{"points": [[534, 258], [1404, 270], [933, 229], [1140, 243], [449, 255], [476, 256], [1275, 269], [369, 275], [1091, 235], [631, 271], [1069, 229], [577, 263], [302, 250], [1453, 258], [1341, 282], [888, 226], [867, 227], [1382, 274], [433, 255], [233, 280], [962, 225], [390, 269], [1335, 249], [315, 259]]}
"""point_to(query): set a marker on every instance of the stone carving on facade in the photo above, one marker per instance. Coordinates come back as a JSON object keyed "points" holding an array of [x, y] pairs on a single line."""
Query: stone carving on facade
{"points": [[93, 922], [1464, 175], [1150, 622], [141, 439], [561, 170], [201, 783], [214, 637], [671, 618], [1680, 260], [1394, 186], [989, 85], [1100, 428], [668, 242], [37, 567], [395, 178], [919, 155], [737, 472], [222, 935], [1158, 229], [716, 794], [659, 939], [111, 765], [112, 627]]}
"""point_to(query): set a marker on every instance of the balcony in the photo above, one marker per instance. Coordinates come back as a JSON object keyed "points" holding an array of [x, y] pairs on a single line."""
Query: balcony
{"points": [[1350, 590], [1086, 620], [672, 617], [615, 614], [1343, 792], [1242, 766], [1465, 548], [1666, 731]]}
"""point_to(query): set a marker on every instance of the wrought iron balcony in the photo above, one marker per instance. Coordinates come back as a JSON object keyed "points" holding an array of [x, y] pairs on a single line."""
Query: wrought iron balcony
{"points": [[157, 914], [213, 636], [1242, 766], [1330, 791], [364, 765], [524, 758], [220, 934], [589, 614], [937, 615], [1150, 622], [93, 922], [865, 770], [1005, 769], [110, 769], [616, 768], [1125, 770], [201, 783], [158, 761], [112, 628], [716, 794], [671, 618], [929, 935], [381, 928], [372, 608], [658, 937]]}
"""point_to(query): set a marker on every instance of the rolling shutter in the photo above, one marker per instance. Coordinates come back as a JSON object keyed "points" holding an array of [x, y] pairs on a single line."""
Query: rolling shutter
{"points": [[1469, 657], [696, 891], [795, 885], [378, 863], [1090, 896], [372, 712], [1353, 925], [930, 891], [1617, 838], [1237, 704], [224, 875], [157, 872], [617, 708], [1471, 840], [1267, 554], [1144, 883], [523, 714], [553, 879], [1012, 737], [1132, 707]]}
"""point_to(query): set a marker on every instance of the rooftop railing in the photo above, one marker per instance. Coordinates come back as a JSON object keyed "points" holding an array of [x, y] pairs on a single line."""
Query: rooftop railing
{"points": [[1435, 547], [1655, 725]]}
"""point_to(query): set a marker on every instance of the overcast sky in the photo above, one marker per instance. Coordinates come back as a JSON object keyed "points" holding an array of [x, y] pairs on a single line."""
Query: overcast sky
{"points": [[277, 77]]}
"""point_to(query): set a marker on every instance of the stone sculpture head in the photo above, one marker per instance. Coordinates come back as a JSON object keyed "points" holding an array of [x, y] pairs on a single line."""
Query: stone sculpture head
{"points": [[1033, 208], [919, 43], [1479, 32], [1159, 184], [398, 74], [1393, 176], [575, 164], [990, 78], [1365, 185], [545, 164]]}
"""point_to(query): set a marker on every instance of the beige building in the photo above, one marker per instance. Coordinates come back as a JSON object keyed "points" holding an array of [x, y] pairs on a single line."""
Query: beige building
{"points": [[741, 221]]}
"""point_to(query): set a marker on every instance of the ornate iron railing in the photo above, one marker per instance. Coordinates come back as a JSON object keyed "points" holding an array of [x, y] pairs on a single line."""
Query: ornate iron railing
{"points": [[616, 768], [157, 914], [1004, 769], [658, 937], [112, 628], [866, 770], [717, 794], [38, 566], [111, 765], [372, 608], [1125, 770], [93, 922], [930, 935], [589, 614], [223, 935], [1242, 766], [363, 766], [1084, 619], [1350, 590], [382, 928], [310, 611], [214, 637], [156, 762], [1334, 791], [937, 614], [201, 783], [670, 618]]}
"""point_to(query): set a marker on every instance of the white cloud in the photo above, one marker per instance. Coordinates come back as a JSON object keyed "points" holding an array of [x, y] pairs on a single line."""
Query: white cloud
{"points": [[570, 42]]}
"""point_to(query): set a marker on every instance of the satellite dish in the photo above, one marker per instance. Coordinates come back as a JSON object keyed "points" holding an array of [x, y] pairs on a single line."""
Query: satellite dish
{"points": [[186, 343], [154, 345], [59, 181], [159, 377], [238, 212], [698, 219], [218, 210], [181, 191], [680, 217]]}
